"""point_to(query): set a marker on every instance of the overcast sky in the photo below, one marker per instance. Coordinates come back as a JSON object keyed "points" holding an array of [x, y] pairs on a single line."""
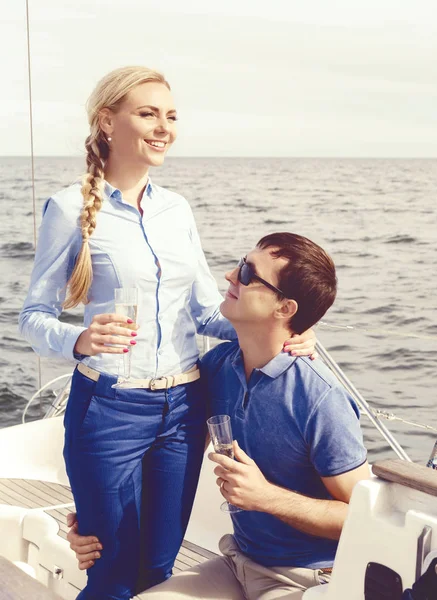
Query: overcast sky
{"points": [[250, 77]]}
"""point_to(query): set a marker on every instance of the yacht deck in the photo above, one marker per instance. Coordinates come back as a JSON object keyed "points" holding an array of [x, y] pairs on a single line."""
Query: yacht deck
{"points": [[57, 501]]}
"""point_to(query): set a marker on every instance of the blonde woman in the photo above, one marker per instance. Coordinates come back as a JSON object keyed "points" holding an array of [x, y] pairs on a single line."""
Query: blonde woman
{"points": [[132, 455]]}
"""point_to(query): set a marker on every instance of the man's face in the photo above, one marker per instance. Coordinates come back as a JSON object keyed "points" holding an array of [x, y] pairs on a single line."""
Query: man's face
{"points": [[254, 303]]}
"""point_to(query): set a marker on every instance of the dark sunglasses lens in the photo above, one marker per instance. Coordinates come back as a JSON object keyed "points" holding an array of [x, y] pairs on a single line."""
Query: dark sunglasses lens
{"points": [[245, 275]]}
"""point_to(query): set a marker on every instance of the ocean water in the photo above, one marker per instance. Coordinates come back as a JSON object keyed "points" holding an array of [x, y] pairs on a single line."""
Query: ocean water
{"points": [[376, 218]]}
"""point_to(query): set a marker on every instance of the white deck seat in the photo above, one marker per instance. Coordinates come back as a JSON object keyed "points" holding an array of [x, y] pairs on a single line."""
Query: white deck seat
{"points": [[384, 523], [16, 585], [316, 592]]}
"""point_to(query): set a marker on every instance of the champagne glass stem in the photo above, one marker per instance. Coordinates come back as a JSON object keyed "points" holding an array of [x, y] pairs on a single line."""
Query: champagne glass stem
{"points": [[127, 364]]}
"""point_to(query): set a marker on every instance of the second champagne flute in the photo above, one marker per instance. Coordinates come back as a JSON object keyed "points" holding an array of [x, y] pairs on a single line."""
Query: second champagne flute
{"points": [[126, 304], [220, 430]]}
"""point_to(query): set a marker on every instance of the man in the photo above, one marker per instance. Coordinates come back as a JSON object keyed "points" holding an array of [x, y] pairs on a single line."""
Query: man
{"points": [[298, 448]]}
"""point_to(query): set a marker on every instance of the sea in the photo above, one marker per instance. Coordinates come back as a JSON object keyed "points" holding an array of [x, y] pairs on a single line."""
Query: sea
{"points": [[376, 217]]}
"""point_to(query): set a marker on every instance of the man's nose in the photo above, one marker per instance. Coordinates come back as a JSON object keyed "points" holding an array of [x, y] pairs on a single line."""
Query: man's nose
{"points": [[232, 276]]}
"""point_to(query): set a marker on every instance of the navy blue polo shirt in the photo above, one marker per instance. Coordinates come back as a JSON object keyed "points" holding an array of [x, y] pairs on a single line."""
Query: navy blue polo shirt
{"points": [[298, 424]]}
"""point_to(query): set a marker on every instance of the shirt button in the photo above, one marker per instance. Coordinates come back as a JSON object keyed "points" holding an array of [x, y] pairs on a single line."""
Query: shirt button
{"points": [[160, 352]]}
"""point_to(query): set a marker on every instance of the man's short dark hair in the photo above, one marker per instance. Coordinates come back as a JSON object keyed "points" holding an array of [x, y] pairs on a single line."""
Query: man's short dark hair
{"points": [[308, 277]]}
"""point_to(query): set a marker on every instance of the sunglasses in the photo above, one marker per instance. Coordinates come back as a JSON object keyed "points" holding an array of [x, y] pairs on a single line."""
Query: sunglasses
{"points": [[246, 275]]}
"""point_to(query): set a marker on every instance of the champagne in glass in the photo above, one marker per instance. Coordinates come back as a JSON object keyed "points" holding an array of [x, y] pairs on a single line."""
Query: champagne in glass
{"points": [[220, 430], [126, 304]]}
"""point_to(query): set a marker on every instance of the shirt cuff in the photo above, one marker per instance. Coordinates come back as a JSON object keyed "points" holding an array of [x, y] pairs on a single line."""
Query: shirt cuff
{"points": [[70, 342]]}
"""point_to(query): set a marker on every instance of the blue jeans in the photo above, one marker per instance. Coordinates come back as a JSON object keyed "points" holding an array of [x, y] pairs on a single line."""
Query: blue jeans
{"points": [[133, 458]]}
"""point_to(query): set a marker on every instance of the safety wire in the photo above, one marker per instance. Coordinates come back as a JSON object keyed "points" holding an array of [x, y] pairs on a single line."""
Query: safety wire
{"points": [[32, 159], [378, 413]]}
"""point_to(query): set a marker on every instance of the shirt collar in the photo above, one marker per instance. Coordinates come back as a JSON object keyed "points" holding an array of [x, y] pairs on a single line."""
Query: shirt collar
{"points": [[278, 365], [274, 368], [112, 192]]}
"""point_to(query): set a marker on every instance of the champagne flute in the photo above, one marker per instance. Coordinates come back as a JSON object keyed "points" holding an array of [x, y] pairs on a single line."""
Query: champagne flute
{"points": [[126, 304], [219, 428]]}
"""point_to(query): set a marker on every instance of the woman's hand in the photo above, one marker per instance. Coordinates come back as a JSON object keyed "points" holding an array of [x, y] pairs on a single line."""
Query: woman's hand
{"points": [[108, 334], [302, 345]]}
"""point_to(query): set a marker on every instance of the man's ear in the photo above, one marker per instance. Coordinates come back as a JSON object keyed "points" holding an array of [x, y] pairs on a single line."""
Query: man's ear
{"points": [[286, 309], [105, 121]]}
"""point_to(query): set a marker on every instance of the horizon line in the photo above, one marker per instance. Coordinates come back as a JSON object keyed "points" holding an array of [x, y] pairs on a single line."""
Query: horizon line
{"points": [[354, 157]]}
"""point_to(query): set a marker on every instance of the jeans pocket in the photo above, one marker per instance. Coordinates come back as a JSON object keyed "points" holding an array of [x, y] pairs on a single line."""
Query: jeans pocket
{"points": [[88, 422], [79, 401]]}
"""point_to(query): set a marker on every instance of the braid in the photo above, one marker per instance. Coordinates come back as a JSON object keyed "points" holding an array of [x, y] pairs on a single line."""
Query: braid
{"points": [[81, 278]]}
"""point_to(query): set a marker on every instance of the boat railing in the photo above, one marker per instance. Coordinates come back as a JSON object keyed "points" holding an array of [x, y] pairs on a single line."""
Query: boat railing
{"points": [[59, 402], [361, 402]]}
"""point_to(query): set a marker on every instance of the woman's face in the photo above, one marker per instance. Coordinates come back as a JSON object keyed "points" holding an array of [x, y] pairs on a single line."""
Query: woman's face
{"points": [[144, 126]]}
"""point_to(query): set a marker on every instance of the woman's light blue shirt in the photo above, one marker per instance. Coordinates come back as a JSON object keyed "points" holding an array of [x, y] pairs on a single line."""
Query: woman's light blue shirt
{"points": [[159, 252]]}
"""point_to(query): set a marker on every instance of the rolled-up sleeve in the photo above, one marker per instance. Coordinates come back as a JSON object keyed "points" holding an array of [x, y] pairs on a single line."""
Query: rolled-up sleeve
{"points": [[205, 297], [58, 245]]}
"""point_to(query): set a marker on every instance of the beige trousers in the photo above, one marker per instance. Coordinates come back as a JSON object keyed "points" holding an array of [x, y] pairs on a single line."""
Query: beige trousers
{"points": [[233, 576]]}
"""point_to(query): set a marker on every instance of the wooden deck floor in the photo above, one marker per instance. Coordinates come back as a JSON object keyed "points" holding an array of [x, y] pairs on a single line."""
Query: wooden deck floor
{"points": [[57, 501]]}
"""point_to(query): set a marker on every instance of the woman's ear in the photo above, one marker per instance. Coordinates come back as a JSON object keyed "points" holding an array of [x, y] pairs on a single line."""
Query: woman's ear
{"points": [[106, 121]]}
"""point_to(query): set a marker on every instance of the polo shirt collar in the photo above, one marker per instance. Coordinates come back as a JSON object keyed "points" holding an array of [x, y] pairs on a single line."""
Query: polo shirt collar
{"points": [[274, 368], [278, 365]]}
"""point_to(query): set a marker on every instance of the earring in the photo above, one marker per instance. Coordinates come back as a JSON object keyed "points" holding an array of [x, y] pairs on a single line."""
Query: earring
{"points": [[109, 138]]}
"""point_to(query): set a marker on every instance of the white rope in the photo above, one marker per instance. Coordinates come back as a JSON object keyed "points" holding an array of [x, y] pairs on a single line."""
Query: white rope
{"points": [[32, 155], [380, 331], [393, 417]]}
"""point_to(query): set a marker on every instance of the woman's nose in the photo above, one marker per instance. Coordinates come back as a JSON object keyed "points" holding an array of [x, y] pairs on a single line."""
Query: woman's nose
{"points": [[163, 126]]}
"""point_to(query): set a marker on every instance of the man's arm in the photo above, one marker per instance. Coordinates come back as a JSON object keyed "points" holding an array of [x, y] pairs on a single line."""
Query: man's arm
{"points": [[242, 483]]}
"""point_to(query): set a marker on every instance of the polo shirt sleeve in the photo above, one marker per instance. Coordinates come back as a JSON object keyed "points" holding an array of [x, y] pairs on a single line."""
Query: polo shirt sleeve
{"points": [[334, 435]]}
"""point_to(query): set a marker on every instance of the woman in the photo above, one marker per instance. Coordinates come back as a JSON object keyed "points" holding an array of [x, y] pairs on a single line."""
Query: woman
{"points": [[121, 230]]}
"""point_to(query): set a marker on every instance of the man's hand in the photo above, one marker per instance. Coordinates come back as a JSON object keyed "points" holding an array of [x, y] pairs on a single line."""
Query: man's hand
{"points": [[86, 547], [241, 483], [302, 345]]}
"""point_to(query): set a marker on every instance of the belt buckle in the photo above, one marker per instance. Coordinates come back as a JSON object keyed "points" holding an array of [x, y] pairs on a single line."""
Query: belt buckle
{"points": [[167, 380], [155, 380]]}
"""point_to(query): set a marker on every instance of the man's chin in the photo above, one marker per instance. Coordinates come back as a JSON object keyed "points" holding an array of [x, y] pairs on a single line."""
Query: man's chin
{"points": [[225, 310]]}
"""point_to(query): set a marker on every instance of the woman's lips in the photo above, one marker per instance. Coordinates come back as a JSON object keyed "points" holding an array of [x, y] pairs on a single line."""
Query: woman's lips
{"points": [[158, 146]]}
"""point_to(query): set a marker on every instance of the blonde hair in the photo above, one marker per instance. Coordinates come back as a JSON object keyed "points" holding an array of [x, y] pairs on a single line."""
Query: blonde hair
{"points": [[108, 93]]}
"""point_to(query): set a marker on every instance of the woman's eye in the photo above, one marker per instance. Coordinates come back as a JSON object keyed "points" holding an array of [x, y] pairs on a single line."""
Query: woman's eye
{"points": [[146, 114], [172, 118]]}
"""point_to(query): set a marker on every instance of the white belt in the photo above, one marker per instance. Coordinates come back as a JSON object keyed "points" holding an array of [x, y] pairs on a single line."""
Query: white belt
{"points": [[152, 383]]}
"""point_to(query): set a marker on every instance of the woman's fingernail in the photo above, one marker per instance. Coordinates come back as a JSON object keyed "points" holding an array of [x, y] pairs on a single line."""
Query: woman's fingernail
{"points": [[133, 342], [294, 353], [129, 321], [125, 349], [134, 333]]}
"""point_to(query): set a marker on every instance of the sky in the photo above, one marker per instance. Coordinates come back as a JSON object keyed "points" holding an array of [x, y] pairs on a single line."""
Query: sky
{"points": [[249, 77]]}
